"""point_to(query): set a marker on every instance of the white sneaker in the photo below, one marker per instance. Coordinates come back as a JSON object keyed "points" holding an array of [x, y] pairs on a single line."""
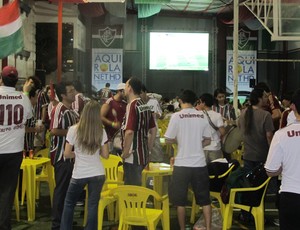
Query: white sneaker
{"points": [[276, 222]]}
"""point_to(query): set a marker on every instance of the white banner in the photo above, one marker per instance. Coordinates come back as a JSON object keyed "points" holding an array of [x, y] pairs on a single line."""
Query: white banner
{"points": [[107, 67], [246, 69]]}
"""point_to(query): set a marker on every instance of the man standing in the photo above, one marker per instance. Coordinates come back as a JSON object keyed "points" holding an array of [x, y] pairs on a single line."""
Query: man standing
{"points": [[283, 158], [112, 113], [104, 93], [273, 106], [62, 117], [190, 130], [217, 130], [156, 153], [138, 124], [15, 109]]}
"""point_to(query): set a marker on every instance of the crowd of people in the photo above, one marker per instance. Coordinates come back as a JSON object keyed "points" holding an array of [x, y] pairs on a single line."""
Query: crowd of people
{"points": [[126, 123]]}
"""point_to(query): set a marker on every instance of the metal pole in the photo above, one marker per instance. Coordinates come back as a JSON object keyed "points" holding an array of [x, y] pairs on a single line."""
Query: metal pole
{"points": [[235, 52], [59, 40]]}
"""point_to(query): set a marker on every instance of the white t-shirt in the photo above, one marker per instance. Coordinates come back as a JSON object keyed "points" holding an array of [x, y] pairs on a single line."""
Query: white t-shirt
{"points": [[217, 119], [85, 165], [188, 127], [285, 151], [155, 108], [15, 109]]}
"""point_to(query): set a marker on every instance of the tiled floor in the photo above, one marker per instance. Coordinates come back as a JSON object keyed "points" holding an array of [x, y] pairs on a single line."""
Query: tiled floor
{"points": [[43, 220]]}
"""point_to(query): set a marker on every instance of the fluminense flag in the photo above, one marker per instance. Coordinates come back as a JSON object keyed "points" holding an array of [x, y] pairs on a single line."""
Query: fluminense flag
{"points": [[11, 36]]}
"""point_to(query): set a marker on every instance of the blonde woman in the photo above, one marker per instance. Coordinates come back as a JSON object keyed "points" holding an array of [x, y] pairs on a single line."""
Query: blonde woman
{"points": [[88, 139]]}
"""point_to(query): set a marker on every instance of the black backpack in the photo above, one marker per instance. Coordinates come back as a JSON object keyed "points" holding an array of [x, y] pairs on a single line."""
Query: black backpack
{"points": [[254, 178], [236, 179], [240, 178], [216, 169]]}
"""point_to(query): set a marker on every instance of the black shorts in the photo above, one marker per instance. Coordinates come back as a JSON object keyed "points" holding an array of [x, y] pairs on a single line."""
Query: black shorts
{"points": [[289, 211], [182, 177]]}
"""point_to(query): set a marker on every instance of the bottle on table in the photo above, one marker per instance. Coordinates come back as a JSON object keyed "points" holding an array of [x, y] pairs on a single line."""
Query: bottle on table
{"points": [[31, 154]]}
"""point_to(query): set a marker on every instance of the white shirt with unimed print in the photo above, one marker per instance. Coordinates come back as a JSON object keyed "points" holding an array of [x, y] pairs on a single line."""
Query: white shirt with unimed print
{"points": [[188, 127], [86, 165], [15, 110], [285, 152]]}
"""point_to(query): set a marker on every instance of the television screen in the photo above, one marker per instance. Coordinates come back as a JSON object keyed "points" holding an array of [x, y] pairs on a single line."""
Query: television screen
{"points": [[178, 51]]}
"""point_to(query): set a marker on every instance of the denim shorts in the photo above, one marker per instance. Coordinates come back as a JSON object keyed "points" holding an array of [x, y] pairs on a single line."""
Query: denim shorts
{"points": [[183, 177]]}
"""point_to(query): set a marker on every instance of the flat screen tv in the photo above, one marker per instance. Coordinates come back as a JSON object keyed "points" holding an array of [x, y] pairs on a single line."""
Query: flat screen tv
{"points": [[178, 51]]}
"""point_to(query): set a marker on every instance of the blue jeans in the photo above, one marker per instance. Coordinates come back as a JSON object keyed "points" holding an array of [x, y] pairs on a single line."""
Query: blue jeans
{"points": [[63, 174], [132, 174], [75, 189]]}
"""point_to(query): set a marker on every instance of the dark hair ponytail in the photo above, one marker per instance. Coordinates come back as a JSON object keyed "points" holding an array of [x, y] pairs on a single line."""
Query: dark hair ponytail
{"points": [[255, 95]]}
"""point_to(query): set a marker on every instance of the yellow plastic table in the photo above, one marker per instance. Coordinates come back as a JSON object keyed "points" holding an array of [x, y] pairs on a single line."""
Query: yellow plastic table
{"points": [[157, 171], [29, 167]]}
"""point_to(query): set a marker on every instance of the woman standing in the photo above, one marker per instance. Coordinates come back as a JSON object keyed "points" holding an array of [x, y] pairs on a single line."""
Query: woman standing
{"points": [[88, 139], [257, 128]]}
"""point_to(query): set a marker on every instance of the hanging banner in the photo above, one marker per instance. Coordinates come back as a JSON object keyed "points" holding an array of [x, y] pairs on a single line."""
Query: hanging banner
{"points": [[107, 57], [246, 61], [107, 67]]}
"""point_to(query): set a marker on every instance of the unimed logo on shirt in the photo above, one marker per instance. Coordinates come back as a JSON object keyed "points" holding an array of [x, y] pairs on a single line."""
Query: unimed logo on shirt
{"points": [[293, 133], [191, 115], [10, 97]]}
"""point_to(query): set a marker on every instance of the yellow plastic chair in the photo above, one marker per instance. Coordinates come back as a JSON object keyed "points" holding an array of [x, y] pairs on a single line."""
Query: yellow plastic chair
{"points": [[133, 210], [112, 180], [217, 180], [43, 177], [257, 212], [162, 126]]}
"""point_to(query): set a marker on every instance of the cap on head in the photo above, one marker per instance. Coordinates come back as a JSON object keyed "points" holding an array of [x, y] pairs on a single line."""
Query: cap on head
{"points": [[121, 86], [9, 71]]}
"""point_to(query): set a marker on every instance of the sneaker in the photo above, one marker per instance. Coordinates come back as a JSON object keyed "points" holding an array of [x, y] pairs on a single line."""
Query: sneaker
{"points": [[79, 203], [276, 222]]}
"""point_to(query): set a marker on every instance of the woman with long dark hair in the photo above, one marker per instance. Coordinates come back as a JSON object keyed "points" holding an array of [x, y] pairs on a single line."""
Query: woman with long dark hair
{"points": [[257, 127]]}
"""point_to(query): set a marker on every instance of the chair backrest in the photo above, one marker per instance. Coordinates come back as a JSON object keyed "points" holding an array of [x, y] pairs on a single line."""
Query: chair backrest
{"points": [[43, 153], [217, 181], [255, 198], [163, 125], [133, 201], [111, 165]]}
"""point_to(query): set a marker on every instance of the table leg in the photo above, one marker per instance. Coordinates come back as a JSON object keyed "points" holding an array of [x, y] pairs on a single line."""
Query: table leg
{"points": [[29, 175], [50, 179], [144, 178], [157, 186]]}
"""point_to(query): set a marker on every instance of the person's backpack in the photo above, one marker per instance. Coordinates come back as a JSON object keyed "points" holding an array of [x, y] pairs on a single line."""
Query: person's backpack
{"points": [[254, 178], [242, 179], [236, 179], [217, 168]]}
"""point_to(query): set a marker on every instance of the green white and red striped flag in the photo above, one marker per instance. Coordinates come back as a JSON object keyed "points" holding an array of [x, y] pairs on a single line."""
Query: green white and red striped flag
{"points": [[11, 35]]}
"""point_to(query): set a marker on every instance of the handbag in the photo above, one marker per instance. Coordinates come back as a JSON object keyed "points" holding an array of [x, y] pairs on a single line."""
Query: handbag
{"points": [[117, 140]]}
